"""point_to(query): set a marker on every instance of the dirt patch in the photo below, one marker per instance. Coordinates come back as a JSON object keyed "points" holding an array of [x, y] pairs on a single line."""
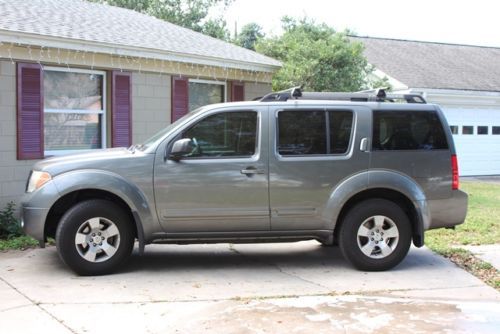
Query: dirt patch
{"points": [[477, 267]]}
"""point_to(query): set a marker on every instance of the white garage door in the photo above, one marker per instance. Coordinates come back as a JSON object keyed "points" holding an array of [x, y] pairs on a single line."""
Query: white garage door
{"points": [[476, 133]]}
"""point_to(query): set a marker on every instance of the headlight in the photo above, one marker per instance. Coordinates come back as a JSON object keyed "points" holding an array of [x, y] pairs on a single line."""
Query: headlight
{"points": [[37, 180]]}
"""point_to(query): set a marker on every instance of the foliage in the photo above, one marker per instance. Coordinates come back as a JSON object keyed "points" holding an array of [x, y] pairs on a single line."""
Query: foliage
{"points": [[190, 14], [9, 225], [249, 35], [316, 56], [216, 28], [22, 242]]}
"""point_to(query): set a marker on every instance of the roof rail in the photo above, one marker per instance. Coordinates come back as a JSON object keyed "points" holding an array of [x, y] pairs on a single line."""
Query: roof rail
{"points": [[377, 95]]}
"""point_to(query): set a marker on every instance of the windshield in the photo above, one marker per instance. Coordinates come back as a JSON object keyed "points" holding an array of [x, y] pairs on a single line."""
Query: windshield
{"points": [[159, 135]]}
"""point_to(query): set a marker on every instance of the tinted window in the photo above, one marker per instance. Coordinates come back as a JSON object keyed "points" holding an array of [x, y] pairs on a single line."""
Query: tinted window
{"points": [[495, 130], [340, 131], [482, 130], [407, 130], [305, 132], [225, 135], [302, 132]]}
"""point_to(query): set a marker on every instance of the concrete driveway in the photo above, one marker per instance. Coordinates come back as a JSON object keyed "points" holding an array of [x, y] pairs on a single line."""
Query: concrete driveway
{"points": [[267, 288]]}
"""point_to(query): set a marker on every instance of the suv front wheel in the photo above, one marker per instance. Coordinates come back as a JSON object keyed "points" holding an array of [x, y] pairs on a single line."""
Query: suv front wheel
{"points": [[375, 235], [94, 237]]}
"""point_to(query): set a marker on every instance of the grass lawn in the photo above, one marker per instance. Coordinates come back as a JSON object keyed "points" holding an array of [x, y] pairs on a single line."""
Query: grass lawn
{"points": [[481, 227]]}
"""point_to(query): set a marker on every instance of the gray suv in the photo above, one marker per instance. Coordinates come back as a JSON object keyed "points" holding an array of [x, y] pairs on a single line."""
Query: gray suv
{"points": [[369, 171]]}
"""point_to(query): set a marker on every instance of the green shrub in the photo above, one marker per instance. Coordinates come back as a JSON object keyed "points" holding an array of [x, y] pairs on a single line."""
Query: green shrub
{"points": [[10, 226]]}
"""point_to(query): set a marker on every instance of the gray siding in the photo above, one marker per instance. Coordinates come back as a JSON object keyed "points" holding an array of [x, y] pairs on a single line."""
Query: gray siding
{"points": [[13, 173], [151, 106], [253, 90]]}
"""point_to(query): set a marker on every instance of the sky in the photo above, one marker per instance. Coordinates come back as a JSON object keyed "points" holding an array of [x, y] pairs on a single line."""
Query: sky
{"points": [[461, 22]]}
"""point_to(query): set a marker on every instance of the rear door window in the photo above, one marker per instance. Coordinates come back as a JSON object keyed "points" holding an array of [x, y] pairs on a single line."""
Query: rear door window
{"points": [[407, 130], [314, 132]]}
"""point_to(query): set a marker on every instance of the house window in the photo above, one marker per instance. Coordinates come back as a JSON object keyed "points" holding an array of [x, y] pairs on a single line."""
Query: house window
{"points": [[482, 130], [467, 130], [495, 130], [454, 129], [203, 92], [74, 110]]}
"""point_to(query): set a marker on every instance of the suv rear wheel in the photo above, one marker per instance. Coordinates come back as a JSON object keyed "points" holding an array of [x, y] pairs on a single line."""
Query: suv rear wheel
{"points": [[375, 235], [94, 237]]}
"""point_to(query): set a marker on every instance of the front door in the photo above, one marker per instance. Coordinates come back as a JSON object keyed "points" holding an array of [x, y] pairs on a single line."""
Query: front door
{"points": [[222, 185]]}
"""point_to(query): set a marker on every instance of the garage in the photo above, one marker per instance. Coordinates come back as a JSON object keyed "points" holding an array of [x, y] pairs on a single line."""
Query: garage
{"points": [[463, 79]]}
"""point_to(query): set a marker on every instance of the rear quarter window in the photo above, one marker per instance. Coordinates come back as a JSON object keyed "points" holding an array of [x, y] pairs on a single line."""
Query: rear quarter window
{"points": [[407, 130]]}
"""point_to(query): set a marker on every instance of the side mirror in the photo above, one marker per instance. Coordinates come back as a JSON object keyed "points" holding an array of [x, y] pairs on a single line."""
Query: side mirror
{"points": [[181, 148], [185, 147]]}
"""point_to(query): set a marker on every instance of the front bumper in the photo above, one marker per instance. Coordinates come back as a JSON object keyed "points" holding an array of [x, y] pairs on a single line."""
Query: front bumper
{"points": [[448, 212], [33, 222], [35, 207]]}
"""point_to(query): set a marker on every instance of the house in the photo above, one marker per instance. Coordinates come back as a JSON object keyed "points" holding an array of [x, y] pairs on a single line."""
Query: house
{"points": [[464, 80], [77, 76]]}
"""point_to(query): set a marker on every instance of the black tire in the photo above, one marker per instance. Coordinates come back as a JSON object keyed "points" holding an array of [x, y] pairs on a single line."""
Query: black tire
{"points": [[107, 214], [364, 213]]}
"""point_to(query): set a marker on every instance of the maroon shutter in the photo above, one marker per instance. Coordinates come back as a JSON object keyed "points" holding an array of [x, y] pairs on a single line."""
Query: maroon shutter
{"points": [[29, 111], [121, 109], [180, 97], [237, 92]]}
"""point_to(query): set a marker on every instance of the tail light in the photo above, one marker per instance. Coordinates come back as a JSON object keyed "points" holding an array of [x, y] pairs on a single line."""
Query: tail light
{"points": [[454, 172]]}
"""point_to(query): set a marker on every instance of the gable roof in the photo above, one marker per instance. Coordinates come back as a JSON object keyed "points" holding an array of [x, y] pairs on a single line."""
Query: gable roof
{"points": [[435, 65], [83, 23]]}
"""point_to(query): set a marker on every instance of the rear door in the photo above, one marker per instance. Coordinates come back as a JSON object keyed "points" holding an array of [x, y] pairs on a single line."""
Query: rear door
{"points": [[314, 148]]}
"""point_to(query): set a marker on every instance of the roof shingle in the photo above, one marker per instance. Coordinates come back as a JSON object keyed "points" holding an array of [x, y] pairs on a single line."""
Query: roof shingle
{"points": [[435, 65], [84, 21]]}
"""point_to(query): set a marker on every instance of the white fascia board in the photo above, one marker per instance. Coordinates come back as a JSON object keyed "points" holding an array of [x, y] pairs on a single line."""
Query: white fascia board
{"points": [[20, 38], [396, 84], [460, 98]]}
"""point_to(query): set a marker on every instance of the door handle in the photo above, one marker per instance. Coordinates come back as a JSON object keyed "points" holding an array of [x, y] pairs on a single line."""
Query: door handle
{"points": [[251, 171]]}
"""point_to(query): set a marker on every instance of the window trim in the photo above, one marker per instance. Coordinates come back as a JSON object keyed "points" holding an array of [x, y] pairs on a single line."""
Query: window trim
{"points": [[327, 156], [103, 112]]}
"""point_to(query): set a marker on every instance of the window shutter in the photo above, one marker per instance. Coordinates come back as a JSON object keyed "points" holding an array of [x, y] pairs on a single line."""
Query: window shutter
{"points": [[29, 111], [121, 109], [237, 92], [180, 97]]}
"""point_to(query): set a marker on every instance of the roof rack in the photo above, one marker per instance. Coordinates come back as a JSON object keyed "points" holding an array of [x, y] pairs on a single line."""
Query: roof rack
{"points": [[376, 95]]}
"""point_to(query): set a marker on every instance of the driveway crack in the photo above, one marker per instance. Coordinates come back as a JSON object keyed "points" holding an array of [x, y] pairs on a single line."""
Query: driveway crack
{"points": [[281, 270], [38, 305]]}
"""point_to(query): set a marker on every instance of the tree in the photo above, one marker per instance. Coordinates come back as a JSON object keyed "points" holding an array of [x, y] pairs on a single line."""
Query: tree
{"points": [[316, 56], [190, 14], [249, 35]]}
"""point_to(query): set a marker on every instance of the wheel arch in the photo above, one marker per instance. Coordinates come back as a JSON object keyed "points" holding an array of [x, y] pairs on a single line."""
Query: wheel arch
{"points": [[81, 185], [384, 184]]}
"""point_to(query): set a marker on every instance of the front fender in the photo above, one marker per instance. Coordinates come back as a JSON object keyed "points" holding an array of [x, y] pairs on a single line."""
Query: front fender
{"points": [[113, 183], [378, 179]]}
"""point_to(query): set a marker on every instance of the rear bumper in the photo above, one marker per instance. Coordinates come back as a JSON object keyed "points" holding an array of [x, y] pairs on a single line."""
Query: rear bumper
{"points": [[448, 212]]}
